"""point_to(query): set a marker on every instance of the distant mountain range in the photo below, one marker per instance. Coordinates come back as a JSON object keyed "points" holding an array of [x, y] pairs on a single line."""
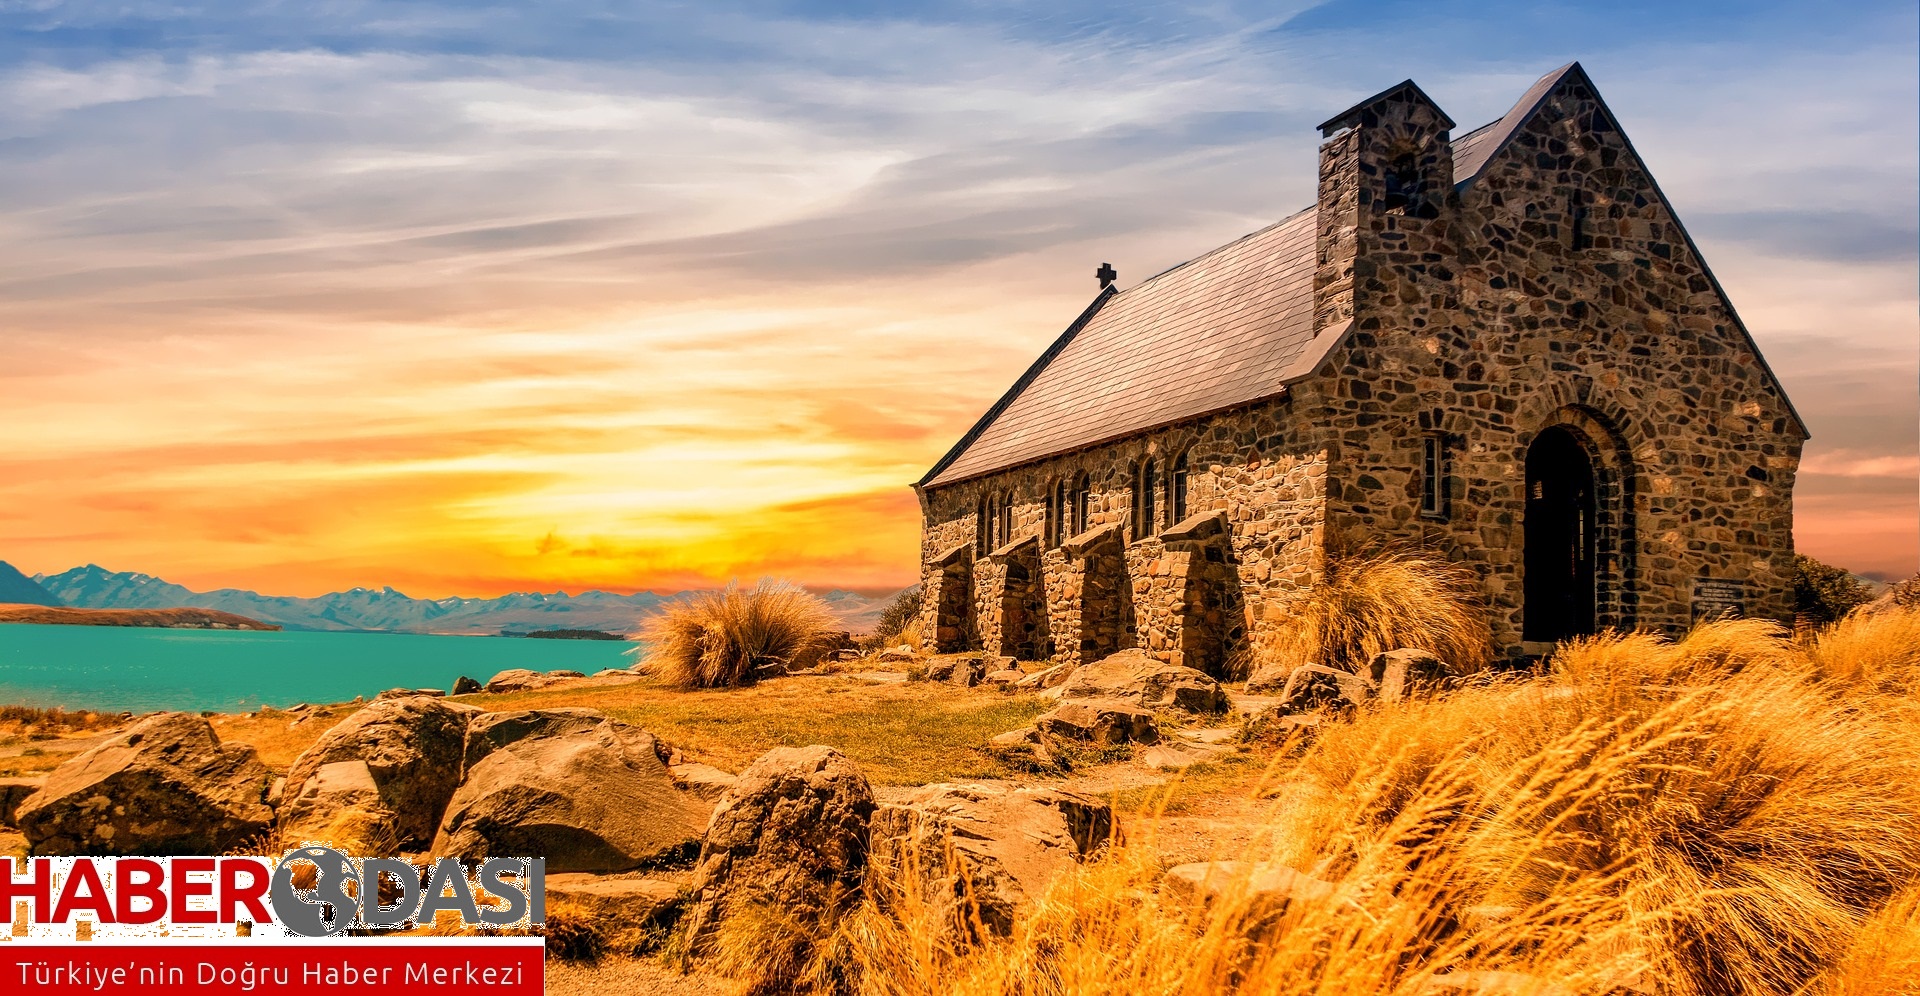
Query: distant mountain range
{"points": [[385, 610]]}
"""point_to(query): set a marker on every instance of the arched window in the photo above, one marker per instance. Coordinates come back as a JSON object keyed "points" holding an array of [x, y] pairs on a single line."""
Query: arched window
{"points": [[1140, 497], [1006, 522], [1402, 194], [1082, 502], [1050, 526], [1177, 489], [990, 524], [1149, 498]]}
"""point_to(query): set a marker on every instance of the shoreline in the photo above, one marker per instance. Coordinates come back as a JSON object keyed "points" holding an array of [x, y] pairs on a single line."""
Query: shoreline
{"points": [[180, 618]]}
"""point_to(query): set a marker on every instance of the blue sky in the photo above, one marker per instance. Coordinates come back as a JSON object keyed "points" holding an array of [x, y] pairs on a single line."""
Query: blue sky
{"points": [[513, 286]]}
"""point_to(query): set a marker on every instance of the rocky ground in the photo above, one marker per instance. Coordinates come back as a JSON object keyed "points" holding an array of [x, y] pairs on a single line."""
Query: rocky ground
{"points": [[673, 807]]}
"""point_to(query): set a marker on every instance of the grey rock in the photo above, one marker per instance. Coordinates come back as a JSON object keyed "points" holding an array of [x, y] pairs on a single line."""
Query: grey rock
{"points": [[1136, 676], [1400, 673], [587, 792], [980, 852], [413, 748], [790, 837], [165, 785], [517, 679]]}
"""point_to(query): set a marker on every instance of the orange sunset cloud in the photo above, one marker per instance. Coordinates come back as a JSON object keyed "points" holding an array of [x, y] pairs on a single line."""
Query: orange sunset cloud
{"points": [[477, 307]]}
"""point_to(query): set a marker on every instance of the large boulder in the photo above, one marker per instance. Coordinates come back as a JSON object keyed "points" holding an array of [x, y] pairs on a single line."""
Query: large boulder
{"points": [[703, 780], [790, 837], [967, 671], [464, 685], [412, 748], [165, 785], [1136, 676], [401, 693], [978, 852], [1100, 721], [1024, 749], [588, 793]]}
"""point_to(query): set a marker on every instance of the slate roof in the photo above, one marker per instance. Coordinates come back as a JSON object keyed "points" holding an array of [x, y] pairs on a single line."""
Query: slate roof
{"points": [[1210, 333], [1224, 329]]}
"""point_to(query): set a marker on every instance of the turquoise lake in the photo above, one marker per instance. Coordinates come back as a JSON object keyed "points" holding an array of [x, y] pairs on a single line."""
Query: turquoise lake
{"points": [[115, 669]]}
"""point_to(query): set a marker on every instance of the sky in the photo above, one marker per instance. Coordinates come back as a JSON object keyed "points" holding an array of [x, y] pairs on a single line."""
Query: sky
{"points": [[466, 299]]}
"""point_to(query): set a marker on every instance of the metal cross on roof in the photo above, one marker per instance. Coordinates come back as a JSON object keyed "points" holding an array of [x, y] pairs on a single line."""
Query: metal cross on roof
{"points": [[1107, 275]]}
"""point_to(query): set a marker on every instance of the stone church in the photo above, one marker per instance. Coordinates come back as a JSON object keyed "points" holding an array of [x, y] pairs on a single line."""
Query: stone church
{"points": [[1501, 347]]}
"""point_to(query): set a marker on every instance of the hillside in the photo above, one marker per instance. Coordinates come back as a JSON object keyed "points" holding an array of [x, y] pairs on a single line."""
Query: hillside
{"points": [[388, 611], [18, 589], [149, 618]]}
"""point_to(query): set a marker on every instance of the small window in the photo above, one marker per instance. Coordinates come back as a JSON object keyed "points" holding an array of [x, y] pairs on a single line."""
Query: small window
{"points": [[1578, 235], [1006, 522], [1433, 476], [980, 527], [1177, 489], [1082, 499], [1050, 526], [1402, 192]]}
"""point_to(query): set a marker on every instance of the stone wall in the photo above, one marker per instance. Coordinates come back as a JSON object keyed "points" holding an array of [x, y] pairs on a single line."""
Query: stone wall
{"points": [[1114, 586], [1498, 314]]}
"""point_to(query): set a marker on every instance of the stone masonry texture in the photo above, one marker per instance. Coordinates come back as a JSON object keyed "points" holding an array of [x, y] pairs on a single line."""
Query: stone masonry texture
{"points": [[1555, 291]]}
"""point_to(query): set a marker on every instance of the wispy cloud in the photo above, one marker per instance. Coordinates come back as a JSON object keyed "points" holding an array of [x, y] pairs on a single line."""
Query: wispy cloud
{"points": [[473, 297]]}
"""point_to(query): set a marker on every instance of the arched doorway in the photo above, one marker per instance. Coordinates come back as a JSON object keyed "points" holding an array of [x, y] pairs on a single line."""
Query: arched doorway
{"points": [[1561, 537]]}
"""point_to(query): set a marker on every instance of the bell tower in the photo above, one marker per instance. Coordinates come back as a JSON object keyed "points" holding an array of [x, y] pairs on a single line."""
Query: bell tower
{"points": [[1387, 164]]}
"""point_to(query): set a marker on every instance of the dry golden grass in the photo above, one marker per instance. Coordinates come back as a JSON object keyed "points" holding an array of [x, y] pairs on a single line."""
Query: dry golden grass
{"points": [[1879, 650], [900, 733], [275, 737], [721, 639], [1724, 814], [1368, 605]]}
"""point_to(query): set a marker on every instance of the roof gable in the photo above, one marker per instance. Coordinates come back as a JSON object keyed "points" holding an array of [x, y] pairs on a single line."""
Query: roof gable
{"points": [[1485, 144]]}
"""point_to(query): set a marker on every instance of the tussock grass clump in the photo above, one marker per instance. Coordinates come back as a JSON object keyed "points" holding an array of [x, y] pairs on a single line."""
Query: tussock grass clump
{"points": [[1877, 650], [1367, 605], [725, 638]]}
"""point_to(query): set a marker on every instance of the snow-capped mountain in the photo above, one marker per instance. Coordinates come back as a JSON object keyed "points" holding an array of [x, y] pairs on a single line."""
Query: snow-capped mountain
{"points": [[387, 610]]}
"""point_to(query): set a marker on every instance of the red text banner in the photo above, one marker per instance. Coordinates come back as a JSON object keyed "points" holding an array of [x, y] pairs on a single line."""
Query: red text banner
{"points": [[510, 966]]}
